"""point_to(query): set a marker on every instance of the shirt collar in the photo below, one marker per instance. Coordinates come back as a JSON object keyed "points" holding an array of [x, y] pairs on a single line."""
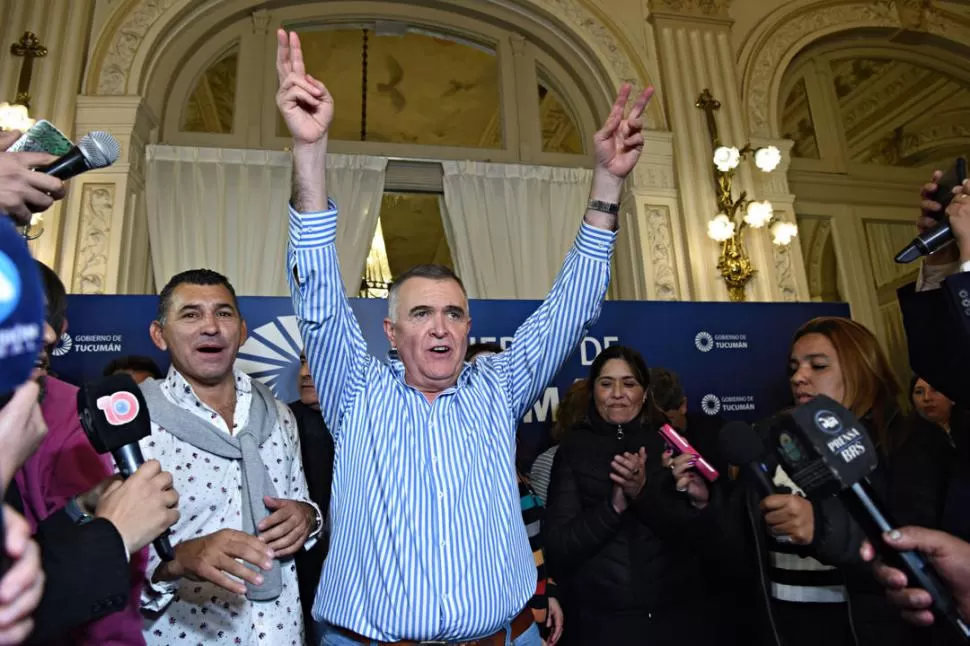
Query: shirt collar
{"points": [[183, 394], [397, 368]]}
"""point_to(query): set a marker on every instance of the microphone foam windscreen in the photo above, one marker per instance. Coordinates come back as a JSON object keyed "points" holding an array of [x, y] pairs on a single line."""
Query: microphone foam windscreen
{"points": [[99, 148], [113, 412], [21, 309]]}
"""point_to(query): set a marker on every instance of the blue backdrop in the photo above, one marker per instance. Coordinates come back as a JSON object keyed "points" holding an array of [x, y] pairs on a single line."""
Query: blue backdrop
{"points": [[731, 357]]}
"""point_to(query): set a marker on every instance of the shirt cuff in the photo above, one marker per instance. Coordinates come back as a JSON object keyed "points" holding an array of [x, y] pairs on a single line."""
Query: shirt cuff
{"points": [[932, 276], [594, 242], [309, 230], [156, 595]]}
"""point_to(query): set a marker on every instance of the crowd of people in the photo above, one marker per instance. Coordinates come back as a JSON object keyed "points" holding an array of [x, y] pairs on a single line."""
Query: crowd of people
{"points": [[386, 506]]}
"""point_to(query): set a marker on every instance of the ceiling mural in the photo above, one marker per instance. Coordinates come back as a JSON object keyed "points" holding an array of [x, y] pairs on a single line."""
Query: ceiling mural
{"points": [[892, 112], [421, 88], [212, 104]]}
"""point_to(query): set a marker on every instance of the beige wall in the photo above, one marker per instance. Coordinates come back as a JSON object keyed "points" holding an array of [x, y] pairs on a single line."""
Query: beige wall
{"points": [[123, 54]]}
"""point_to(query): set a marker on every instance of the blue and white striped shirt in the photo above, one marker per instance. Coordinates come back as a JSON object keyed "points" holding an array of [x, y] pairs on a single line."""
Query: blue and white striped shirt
{"points": [[427, 537]]}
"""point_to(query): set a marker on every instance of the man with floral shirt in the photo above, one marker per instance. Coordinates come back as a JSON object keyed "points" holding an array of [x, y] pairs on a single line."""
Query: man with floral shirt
{"points": [[234, 452]]}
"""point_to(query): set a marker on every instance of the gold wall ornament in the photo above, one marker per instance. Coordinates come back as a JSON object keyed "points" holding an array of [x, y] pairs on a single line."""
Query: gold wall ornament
{"points": [[28, 48], [735, 214]]}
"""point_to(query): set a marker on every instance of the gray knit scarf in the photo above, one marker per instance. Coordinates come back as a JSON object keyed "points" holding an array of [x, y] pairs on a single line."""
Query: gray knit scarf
{"points": [[243, 445]]}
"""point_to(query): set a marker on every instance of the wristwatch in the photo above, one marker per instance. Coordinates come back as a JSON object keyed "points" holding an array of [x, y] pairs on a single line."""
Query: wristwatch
{"points": [[317, 522], [75, 513], [604, 207]]}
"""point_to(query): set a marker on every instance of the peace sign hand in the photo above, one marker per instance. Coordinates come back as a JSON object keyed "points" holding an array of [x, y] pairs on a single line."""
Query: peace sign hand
{"points": [[619, 142], [304, 102]]}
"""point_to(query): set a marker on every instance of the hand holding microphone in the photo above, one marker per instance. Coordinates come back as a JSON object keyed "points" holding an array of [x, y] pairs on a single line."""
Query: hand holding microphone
{"points": [[949, 555], [31, 182], [827, 452], [142, 507], [115, 417]]}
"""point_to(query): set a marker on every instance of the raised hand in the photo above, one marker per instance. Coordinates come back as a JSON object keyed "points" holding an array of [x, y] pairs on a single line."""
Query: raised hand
{"points": [[619, 142], [304, 102]]}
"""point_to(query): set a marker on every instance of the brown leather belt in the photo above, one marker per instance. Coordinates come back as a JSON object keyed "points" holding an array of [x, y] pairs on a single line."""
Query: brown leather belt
{"points": [[522, 622]]}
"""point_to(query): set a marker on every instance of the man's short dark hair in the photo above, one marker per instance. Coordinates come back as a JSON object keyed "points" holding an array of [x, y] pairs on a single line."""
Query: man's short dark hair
{"points": [[134, 363], [192, 277], [433, 272], [668, 394], [56, 296], [481, 348]]}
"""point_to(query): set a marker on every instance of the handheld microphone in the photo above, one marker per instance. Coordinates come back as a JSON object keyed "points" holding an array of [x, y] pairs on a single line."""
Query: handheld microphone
{"points": [[115, 416], [95, 150], [741, 446], [827, 452], [939, 236]]}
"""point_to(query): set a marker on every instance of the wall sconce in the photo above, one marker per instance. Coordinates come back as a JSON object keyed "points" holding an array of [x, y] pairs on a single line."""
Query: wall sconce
{"points": [[736, 214]]}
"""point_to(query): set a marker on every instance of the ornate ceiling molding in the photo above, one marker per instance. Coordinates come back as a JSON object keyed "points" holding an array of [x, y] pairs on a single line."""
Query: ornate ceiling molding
{"points": [[795, 31], [136, 25], [762, 80], [692, 8]]}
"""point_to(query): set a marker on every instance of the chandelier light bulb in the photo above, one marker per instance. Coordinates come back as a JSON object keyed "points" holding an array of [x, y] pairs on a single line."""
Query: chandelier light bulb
{"points": [[783, 232], [758, 214], [720, 228], [14, 117], [767, 159], [727, 158]]}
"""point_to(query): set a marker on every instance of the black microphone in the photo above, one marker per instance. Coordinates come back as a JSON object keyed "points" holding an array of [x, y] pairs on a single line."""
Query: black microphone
{"points": [[741, 446], [115, 416], [927, 242], [827, 452], [95, 150], [939, 236]]}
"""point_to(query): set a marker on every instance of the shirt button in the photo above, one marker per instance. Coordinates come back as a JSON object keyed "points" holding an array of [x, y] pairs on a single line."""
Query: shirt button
{"points": [[441, 495]]}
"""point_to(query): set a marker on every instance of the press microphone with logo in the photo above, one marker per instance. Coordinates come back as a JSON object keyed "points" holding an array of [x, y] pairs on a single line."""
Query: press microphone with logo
{"points": [[95, 150], [827, 452], [742, 447], [115, 416]]}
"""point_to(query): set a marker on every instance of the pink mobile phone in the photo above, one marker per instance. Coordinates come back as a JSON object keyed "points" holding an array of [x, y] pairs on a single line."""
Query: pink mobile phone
{"points": [[677, 442]]}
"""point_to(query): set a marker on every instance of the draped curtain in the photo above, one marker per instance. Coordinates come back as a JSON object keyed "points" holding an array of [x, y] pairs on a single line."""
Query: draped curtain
{"points": [[510, 226], [225, 209]]}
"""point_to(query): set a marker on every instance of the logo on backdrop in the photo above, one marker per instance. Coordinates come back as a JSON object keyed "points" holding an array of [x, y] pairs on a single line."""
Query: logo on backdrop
{"points": [[9, 286], [713, 404], [272, 355], [119, 408], [705, 341], [63, 346], [828, 422], [90, 343]]}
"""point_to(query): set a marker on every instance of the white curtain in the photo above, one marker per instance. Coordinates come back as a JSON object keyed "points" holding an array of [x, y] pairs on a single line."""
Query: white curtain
{"points": [[225, 209], [510, 226]]}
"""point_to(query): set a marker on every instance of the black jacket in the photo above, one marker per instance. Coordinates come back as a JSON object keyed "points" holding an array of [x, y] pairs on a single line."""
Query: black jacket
{"points": [[626, 578], [938, 334], [86, 573], [316, 448]]}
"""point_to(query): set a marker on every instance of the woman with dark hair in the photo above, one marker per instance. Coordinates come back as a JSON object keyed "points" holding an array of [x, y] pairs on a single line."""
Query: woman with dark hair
{"points": [[615, 536], [931, 472], [807, 553]]}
